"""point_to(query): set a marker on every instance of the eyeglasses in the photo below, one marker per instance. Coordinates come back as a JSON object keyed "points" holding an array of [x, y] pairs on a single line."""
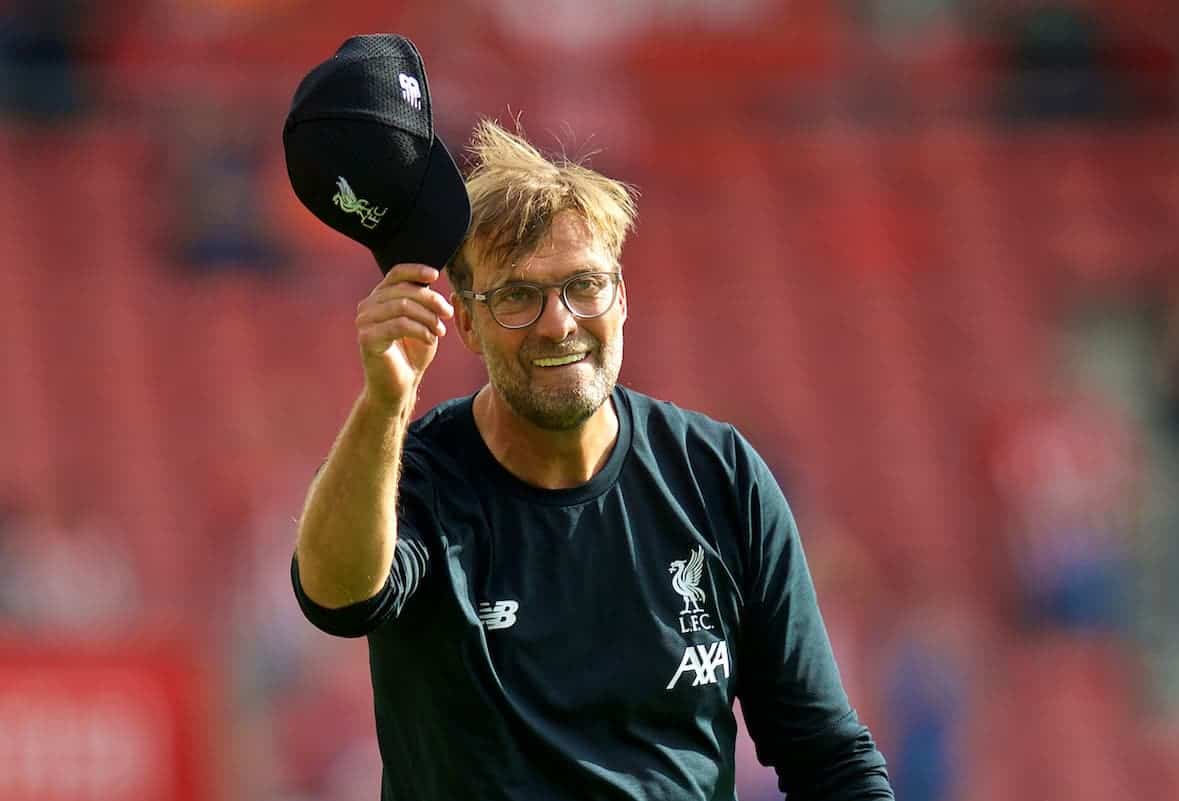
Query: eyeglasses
{"points": [[520, 304]]}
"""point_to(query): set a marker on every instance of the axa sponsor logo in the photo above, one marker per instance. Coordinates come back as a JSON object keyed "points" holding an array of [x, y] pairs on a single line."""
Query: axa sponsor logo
{"points": [[498, 615], [703, 663]]}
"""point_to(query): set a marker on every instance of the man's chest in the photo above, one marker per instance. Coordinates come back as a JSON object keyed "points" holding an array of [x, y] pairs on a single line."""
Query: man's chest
{"points": [[601, 605]]}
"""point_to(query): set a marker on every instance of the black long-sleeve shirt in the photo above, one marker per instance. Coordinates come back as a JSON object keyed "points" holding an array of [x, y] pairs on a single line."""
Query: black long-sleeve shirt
{"points": [[588, 643]]}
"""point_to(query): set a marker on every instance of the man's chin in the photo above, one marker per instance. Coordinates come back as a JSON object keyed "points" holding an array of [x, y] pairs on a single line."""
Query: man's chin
{"points": [[557, 411], [558, 417]]}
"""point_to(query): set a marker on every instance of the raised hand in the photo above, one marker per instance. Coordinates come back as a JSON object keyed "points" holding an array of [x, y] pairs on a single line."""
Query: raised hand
{"points": [[397, 328]]}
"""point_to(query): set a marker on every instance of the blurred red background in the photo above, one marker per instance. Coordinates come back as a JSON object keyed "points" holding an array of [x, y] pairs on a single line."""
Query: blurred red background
{"points": [[922, 253]]}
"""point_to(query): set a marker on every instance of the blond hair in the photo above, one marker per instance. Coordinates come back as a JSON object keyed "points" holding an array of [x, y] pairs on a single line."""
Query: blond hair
{"points": [[516, 192]]}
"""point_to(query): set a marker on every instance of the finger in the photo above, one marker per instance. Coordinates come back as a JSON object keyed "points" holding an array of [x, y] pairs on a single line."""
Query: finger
{"points": [[427, 297], [376, 339], [409, 272], [378, 313]]}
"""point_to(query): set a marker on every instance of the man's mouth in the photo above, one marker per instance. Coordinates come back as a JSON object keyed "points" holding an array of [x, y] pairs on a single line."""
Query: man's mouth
{"points": [[559, 361]]}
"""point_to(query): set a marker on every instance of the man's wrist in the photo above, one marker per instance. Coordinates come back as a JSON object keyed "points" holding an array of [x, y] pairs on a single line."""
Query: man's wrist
{"points": [[376, 405]]}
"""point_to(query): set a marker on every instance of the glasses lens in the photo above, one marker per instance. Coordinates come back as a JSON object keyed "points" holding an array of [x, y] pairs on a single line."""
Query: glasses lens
{"points": [[591, 295], [515, 305]]}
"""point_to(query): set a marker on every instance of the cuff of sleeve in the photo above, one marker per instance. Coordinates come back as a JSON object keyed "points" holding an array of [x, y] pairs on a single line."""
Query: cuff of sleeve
{"points": [[354, 620]]}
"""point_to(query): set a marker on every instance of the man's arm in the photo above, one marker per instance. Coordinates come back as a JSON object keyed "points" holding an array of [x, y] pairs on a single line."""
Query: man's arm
{"points": [[348, 528]]}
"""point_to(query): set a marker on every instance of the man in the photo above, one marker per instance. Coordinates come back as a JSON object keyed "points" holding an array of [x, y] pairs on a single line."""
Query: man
{"points": [[564, 584]]}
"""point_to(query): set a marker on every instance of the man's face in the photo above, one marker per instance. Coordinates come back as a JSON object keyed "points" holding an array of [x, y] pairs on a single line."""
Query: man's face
{"points": [[552, 397]]}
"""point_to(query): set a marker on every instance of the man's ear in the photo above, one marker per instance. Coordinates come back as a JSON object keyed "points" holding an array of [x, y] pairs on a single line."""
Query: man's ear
{"points": [[622, 297], [464, 321]]}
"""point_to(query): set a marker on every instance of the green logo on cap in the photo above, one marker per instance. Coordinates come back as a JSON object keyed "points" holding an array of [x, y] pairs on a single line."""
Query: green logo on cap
{"points": [[345, 198]]}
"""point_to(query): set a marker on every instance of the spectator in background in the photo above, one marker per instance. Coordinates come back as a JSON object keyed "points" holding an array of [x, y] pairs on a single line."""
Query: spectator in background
{"points": [[905, 23], [302, 714], [220, 220], [926, 683], [1053, 56], [1065, 472], [10, 516], [64, 570], [1168, 365], [1063, 63], [40, 60]]}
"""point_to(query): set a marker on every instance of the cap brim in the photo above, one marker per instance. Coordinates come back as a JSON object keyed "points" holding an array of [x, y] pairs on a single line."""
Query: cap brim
{"points": [[435, 228]]}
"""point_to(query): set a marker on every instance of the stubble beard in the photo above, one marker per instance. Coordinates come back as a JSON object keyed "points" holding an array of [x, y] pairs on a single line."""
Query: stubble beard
{"points": [[555, 408]]}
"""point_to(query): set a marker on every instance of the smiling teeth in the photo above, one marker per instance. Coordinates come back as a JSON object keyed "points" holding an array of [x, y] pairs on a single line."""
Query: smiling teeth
{"points": [[560, 360]]}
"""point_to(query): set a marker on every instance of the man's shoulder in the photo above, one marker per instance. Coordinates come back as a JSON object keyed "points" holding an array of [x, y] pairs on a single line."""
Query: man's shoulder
{"points": [[660, 420], [441, 418], [441, 429]]}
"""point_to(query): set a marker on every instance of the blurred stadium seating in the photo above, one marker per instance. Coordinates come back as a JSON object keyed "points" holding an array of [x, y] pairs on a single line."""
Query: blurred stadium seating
{"points": [[842, 248]]}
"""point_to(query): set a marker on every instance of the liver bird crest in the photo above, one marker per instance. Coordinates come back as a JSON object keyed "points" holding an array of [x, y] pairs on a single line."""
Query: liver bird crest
{"points": [[686, 579]]}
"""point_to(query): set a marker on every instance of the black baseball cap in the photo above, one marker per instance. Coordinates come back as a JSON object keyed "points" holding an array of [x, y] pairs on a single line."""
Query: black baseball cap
{"points": [[362, 155]]}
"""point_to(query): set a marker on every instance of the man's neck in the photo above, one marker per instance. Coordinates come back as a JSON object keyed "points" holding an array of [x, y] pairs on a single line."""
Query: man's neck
{"points": [[543, 458]]}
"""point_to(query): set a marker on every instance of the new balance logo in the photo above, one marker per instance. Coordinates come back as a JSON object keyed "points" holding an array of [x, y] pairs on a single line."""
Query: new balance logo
{"points": [[703, 661], [500, 615], [410, 90]]}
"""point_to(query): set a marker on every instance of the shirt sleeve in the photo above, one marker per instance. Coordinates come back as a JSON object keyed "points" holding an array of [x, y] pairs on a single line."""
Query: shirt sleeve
{"points": [[795, 707], [411, 562]]}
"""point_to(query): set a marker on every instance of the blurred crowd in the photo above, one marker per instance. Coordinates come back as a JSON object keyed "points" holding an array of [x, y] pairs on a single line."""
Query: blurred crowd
{"points": [[931, 242]]}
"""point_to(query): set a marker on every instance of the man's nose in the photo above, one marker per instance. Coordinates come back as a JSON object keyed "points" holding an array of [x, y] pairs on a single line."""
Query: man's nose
{"points": [[556, 322]]}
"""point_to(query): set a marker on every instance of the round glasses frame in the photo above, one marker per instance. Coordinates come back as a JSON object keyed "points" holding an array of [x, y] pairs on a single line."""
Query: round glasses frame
{"points": [[486, 298]]}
